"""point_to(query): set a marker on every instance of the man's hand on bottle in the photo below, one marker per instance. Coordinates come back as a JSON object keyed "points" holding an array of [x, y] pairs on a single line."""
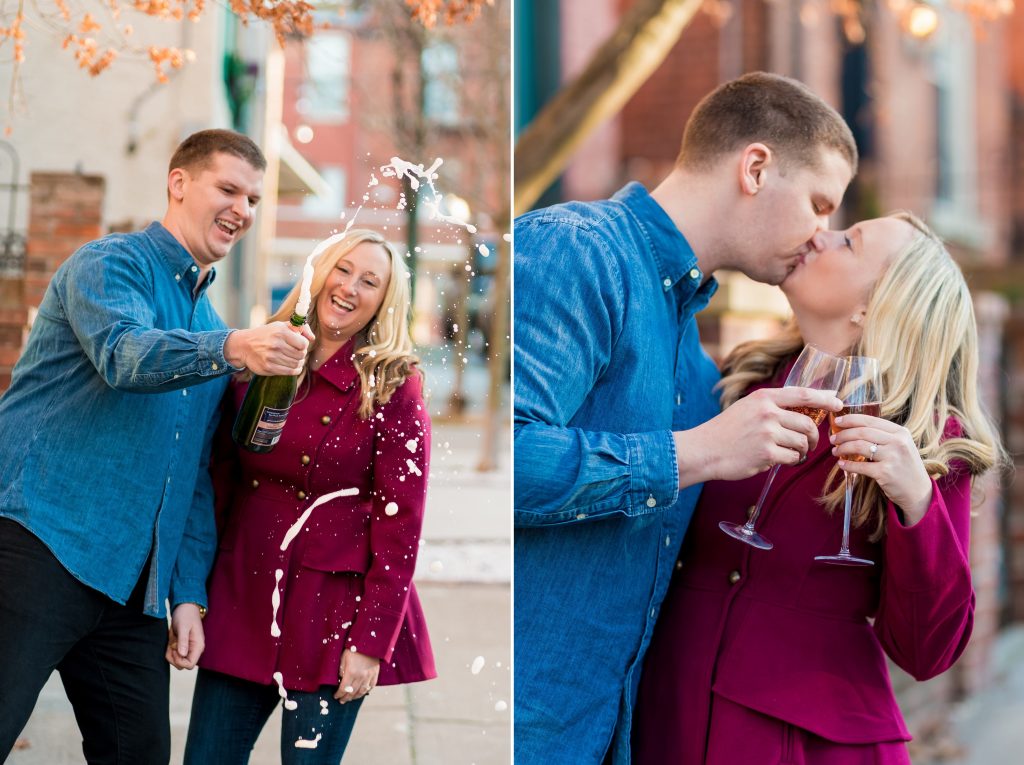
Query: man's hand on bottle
{"points": [[277, 348]]}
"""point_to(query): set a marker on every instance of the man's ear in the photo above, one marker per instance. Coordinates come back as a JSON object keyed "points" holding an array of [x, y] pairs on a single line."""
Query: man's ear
{"points": [[755, 160], [176, 183]]}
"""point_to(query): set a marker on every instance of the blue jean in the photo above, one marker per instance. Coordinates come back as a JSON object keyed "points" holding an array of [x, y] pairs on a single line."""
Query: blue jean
{"points": [[110, 657], [228, 714]]}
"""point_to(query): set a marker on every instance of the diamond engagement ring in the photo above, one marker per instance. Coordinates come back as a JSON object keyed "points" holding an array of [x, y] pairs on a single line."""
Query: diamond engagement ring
{"points": [[874, 448]]}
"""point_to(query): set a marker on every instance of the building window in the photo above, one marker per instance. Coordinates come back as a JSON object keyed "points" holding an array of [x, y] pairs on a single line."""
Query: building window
{"points": [[325, 92], [440, 63], [955, 213], [330, 205]]}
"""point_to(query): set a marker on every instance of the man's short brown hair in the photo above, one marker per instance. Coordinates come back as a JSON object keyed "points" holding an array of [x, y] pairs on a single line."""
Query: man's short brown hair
{"points": [[777, 111], [196, 152]]}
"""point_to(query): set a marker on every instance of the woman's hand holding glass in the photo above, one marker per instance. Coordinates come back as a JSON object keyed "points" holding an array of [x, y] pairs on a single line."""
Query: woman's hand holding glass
{"points": [[890, 458], [861, 393]]}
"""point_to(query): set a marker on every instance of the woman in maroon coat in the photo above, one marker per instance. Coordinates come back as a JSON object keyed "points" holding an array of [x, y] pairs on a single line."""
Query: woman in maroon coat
{"points": [[321, 616], [771, 656]]}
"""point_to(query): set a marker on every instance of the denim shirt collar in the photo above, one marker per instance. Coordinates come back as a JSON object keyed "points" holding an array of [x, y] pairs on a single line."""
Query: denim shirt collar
{"points": [[177, 259], [675, 258]]}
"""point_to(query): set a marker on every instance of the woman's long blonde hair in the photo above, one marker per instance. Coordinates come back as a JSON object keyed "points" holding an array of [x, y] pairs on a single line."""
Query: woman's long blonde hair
{"points": [[920, 326], [384, 353]]}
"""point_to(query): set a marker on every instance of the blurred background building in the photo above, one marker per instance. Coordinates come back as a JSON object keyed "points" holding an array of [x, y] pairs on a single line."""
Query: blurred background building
{"points": [[935, 98], [329, 111]]}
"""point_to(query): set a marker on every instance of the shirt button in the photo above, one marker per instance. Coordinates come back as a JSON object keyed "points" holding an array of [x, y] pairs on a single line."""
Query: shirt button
{"points": [[694, 273], [177, 436], [667, 282], [326, 420], [184, 392], [300, 494], [305, 459], [734, 577], [651, 501], [177, 277], [668, 541], [255, 484], [581, 516], [214, 366], [194, 269]]}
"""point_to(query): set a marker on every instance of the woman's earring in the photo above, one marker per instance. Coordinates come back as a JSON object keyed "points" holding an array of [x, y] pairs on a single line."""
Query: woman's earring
{"points": [[857, 319]]}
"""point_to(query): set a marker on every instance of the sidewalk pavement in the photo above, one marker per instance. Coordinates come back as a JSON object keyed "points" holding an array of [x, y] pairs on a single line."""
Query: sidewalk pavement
{"points": [[988, 725], [462, 575]]}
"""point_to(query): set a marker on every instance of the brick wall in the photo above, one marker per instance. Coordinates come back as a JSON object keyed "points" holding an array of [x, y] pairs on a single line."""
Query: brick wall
{"points": [[13, 323], [1013, 524], [65, 212]]}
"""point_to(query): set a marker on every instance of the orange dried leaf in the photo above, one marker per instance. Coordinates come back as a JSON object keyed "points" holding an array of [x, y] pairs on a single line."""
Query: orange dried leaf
{"points": [[88, 24]]}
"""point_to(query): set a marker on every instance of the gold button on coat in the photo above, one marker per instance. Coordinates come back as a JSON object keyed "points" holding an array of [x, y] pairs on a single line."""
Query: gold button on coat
{"points": [[305, 459], [301, 494], [326, 420], [734, 577]]}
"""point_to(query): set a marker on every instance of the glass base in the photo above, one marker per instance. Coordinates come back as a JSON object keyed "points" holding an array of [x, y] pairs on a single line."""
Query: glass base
{"points": [[844, 559], [742, 533]]}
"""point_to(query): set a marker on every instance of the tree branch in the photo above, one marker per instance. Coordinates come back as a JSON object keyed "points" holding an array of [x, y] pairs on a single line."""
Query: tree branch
{"points": [[616, 71]]}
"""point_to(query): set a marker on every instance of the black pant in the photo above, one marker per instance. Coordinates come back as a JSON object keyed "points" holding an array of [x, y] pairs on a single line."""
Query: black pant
{"points": [[110, 657]]}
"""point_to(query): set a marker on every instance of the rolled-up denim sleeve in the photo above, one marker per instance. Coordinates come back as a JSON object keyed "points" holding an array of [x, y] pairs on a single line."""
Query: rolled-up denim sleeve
{"points": [[108, 299], [562, 347]]}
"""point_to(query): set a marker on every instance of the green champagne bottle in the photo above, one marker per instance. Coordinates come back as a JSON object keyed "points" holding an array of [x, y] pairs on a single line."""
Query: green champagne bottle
{"points": [[265, 408]]}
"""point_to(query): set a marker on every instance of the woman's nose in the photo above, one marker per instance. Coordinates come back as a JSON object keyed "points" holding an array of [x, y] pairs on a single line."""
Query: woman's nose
{"points": [[824, 240]]}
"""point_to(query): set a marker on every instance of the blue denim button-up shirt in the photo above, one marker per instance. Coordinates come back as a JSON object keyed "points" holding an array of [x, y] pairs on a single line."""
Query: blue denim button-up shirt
{"points": [[108, 421], [607, 364]]}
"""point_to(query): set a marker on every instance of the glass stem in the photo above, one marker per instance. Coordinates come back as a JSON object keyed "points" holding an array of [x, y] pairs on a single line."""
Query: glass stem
{"points": [[749, 525], [847, 512]]}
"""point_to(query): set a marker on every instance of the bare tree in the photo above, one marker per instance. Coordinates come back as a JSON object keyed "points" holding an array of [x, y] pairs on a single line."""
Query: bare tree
{"points": [[615, 72], [474, 135]]}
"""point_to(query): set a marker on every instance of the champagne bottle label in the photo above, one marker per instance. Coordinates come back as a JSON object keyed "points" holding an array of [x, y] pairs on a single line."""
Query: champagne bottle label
{"points": [[261, 418], [271, 423]]}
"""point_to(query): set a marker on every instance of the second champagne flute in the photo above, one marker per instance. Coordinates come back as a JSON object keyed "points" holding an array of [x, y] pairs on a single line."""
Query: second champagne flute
{"points": [[861, 393], [814, 368]]}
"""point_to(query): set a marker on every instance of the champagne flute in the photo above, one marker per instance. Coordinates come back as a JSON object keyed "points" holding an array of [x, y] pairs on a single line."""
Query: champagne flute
{"points": [[814, 368], [861, 393]]}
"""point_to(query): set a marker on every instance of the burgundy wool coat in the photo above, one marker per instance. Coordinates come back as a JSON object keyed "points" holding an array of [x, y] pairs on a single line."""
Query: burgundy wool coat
{"points": [[772, 657], [347, 577]]}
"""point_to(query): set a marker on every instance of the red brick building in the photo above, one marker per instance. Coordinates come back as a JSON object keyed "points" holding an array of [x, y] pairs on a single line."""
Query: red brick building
{"points": [[374, 85]]}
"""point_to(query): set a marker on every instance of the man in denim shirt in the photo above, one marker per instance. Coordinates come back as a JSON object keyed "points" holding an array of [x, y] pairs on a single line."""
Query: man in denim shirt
{"points": [[105, 501], [616, 421]]}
